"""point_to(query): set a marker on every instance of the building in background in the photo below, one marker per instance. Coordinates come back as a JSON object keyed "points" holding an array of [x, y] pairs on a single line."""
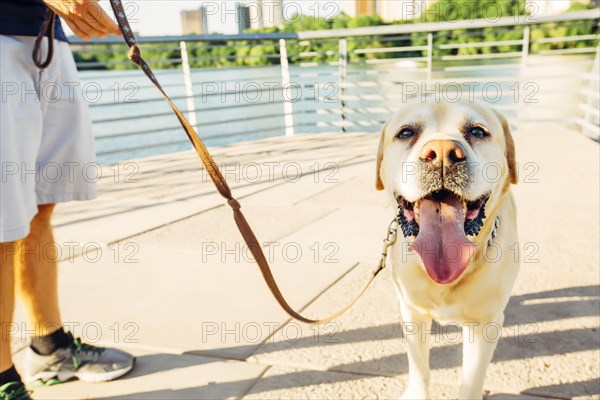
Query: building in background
{"points": [[356, 8], [265, 13], [553, 7], [242, 17], [366, 7], [388, 10], [402, 10], [194, 22]]}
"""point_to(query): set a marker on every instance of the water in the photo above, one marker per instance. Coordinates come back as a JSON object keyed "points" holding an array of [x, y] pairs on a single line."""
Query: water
{"points": [[223, 116], [548, 90]]}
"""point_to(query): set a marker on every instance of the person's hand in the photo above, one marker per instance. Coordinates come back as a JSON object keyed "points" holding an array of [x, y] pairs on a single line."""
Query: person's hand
{"points": [[85, 17]]}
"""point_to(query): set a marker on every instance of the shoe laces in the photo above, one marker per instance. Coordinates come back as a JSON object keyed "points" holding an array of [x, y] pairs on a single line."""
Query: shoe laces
{"points": [[79, 348], [18, 393]]}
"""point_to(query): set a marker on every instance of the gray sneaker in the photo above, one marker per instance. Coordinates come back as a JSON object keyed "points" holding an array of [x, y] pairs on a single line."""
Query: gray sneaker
{"points": [[77, 361]]}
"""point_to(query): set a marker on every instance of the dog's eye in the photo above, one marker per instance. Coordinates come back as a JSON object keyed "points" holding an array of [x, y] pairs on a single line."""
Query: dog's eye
{"points": [[405, 133], [478, 132]]}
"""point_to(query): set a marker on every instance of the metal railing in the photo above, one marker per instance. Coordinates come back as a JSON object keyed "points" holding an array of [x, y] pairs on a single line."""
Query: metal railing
{"points": [[350, 80]]}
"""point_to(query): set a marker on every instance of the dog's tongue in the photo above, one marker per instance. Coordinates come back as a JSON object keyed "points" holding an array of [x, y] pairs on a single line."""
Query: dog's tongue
{"points": [[441, 242]]}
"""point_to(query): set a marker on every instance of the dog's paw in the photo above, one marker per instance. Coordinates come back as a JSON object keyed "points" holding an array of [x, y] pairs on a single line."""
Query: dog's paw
{"points": [[467, 392], [414, 394]]}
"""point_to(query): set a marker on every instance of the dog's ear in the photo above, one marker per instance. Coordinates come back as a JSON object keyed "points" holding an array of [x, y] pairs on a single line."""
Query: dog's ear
{"points": [[378, 181], [510, 149]]}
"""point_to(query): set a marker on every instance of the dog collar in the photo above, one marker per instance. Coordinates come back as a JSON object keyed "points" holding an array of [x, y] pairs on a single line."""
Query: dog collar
{"points": [[494, 231]]}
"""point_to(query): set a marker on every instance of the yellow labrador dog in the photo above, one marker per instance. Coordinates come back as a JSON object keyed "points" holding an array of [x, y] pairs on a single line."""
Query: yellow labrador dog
{"points": [[450, 168]]}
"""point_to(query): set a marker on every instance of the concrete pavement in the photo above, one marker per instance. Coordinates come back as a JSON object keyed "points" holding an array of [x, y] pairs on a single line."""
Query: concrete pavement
{"points": [[158, 268]]}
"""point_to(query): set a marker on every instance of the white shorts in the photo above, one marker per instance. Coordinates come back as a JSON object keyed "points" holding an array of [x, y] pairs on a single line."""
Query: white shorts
{"points": [[46, 138]]}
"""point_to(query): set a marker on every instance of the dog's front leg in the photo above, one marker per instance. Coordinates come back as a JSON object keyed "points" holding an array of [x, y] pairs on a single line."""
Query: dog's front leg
{"points": [[480, 340], [416, 328]]}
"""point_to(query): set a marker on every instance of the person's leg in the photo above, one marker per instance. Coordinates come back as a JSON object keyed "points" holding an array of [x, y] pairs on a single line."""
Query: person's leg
{"points": [[55, 355], [30, 267], [8, 251], [36, 277], [20, 137]]}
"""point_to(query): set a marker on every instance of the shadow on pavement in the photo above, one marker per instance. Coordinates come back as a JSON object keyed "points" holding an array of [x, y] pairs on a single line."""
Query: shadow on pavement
{"points": [[523, 309]]}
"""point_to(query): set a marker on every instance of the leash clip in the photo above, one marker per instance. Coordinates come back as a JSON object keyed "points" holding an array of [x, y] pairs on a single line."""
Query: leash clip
{"points": [[390, 239]]}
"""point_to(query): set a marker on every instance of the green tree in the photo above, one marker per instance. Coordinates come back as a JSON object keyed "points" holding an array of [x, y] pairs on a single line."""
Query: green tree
{"points": [[456, 10], [266, 52], [569, 28]]}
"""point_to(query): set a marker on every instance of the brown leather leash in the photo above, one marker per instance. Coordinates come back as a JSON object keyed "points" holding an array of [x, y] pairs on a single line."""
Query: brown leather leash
{"points": [[46, 29], [224, 189]]}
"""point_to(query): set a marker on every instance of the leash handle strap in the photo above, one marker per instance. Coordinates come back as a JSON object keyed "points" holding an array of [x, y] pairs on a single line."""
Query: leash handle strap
{"points": [[47, 28], [220, 182]]}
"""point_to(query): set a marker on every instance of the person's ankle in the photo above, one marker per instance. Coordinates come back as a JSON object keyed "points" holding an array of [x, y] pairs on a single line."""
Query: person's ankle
{"points": [[48, 344]]}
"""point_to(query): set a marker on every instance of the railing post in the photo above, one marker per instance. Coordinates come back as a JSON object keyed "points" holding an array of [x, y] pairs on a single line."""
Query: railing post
{"points": [[343, 72], [593, 88], [288, 109], [189, 88], [429, 55], [524, 59], [525, 49]]}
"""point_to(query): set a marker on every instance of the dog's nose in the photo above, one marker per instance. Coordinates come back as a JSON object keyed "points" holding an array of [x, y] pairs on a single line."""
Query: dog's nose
{"points": [[443, 152]]}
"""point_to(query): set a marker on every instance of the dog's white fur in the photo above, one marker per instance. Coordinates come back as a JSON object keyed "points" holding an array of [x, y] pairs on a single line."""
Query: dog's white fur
{"points": [[478, 298]]}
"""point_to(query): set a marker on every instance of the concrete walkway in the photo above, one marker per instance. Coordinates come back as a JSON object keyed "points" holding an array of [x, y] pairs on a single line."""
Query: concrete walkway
{"points": [[158, 268]]}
